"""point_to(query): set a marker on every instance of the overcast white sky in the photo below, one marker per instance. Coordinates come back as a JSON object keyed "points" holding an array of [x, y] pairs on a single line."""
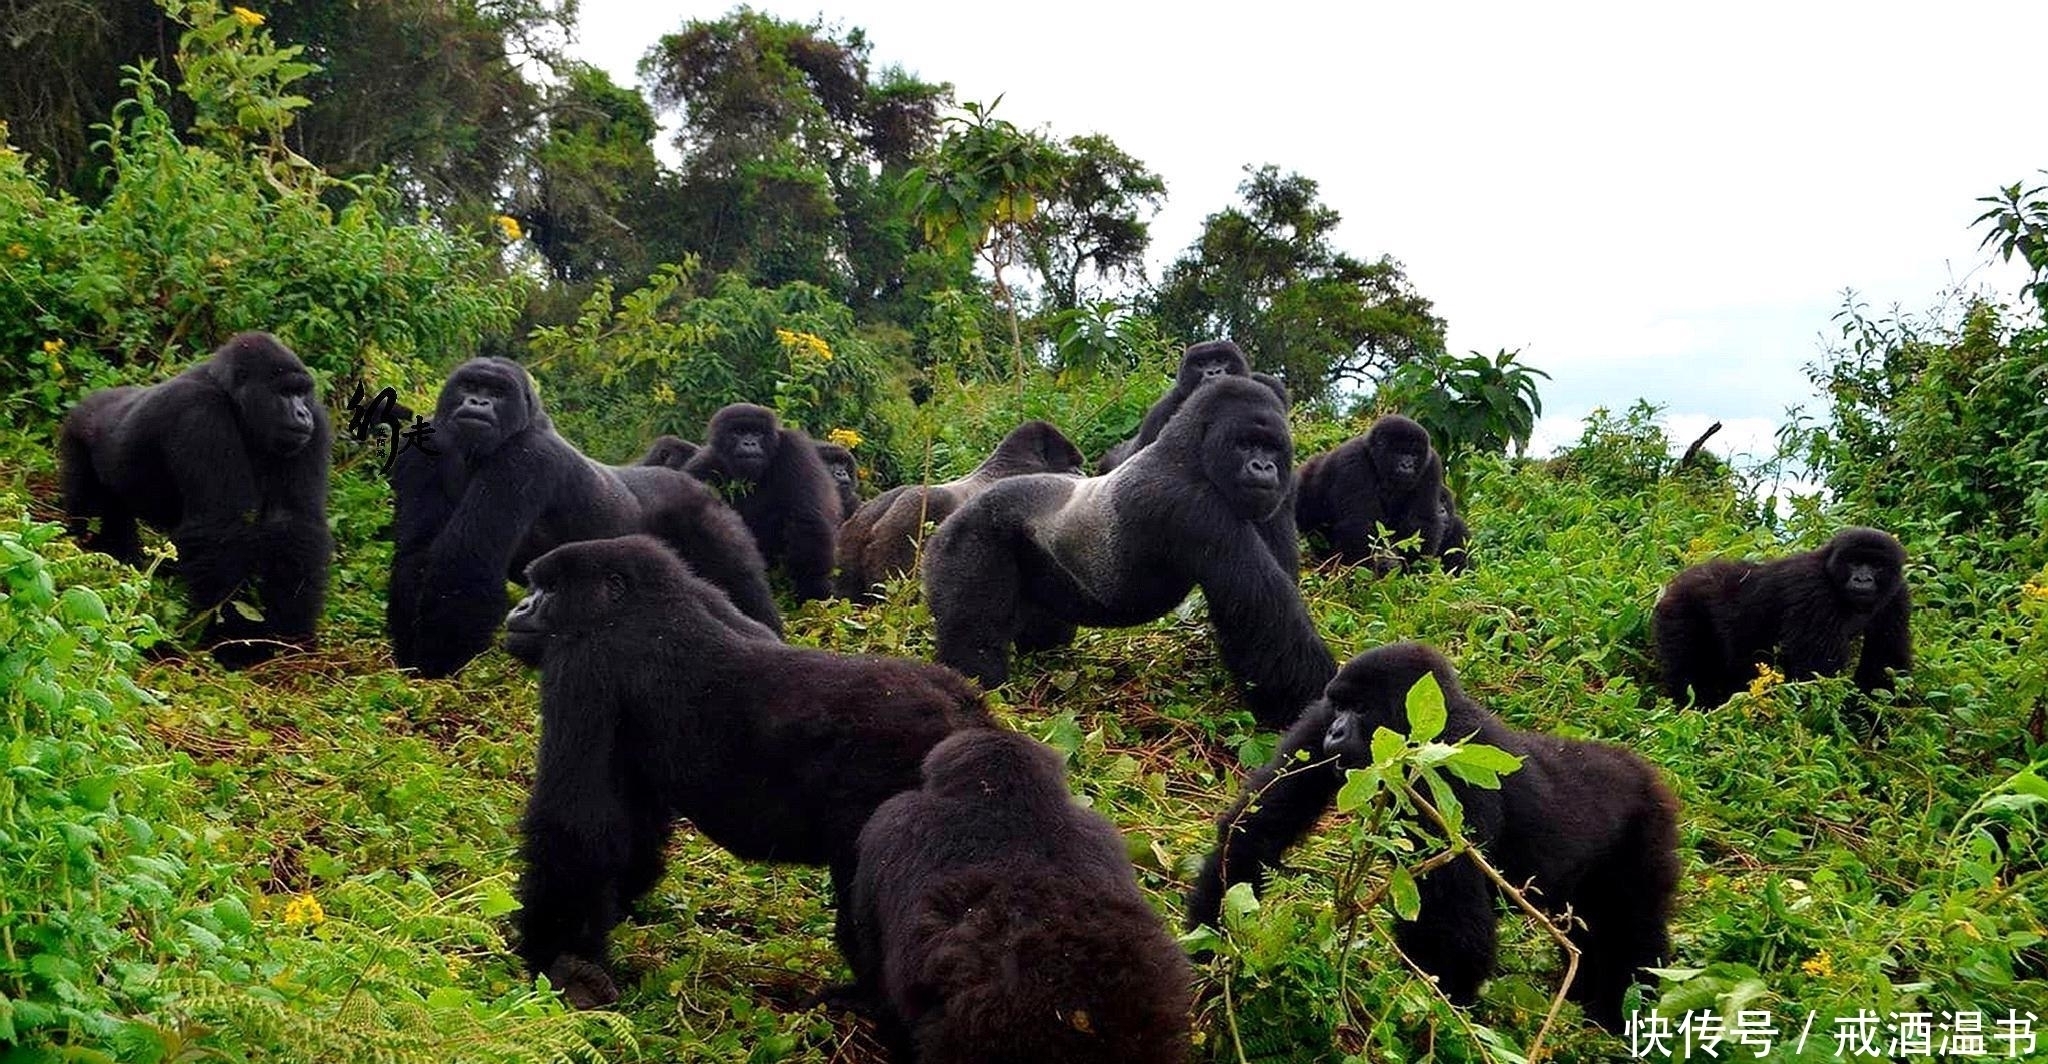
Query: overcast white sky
{"points": [[1650, 202]]}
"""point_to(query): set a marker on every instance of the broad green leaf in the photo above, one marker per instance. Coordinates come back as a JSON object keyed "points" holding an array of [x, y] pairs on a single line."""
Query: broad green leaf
{"points": [[1360, 784], [1426, 713], [1407, 898], [1386, 746]]}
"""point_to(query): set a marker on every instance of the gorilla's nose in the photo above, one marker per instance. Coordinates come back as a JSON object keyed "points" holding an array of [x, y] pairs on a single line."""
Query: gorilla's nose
{"points": [[1338, 734], [1264, 468]]}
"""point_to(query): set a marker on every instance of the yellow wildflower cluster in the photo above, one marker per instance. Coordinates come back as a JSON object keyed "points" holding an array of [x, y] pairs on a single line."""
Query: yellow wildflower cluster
{"points": [[1819, 964], [508, 226], [19, 251], [247, 17], [1766, 678], [304, 909], [664, 394], [52, 347], [846, 438], [803, 343], [2038, 592]]}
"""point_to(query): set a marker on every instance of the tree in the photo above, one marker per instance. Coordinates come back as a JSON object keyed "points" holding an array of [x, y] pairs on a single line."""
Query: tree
{"points": [[2019, 226], [589, 180], [1266, 275], [1095, 220]]}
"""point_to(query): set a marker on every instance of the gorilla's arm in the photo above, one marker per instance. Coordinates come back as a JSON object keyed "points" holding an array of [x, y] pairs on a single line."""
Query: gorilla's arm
{"points": [[1280, 803], [219, 502], [714, 541], [462, 596], [1264, 633], [1157, 417], [810, 522], [1282, 538], [576, 834], [1887, 644]]}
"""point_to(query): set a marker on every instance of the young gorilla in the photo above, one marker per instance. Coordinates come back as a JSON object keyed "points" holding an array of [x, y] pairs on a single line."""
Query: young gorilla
{"points": [[1199, 364], [1717, 621], [659, 700], [1000, 922], [1591, 825], [1389, 476], [845, 477], [1034, 556], [880, 541], [1455, 555], [673, 452], [230, 460], [501, 489], [784, 492]]}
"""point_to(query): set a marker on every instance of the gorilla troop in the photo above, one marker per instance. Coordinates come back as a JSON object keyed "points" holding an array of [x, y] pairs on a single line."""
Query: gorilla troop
{"points": [[1590, 824], [1390, 476], [1199, 364], [881, 540], [780, 486], [1717, 621], [659, 700], [997, 922], [230, 460], [845, 477], [1036, 555], [504, 489]]}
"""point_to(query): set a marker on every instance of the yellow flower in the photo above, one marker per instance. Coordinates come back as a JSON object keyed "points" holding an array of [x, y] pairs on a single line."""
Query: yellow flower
{"points": [[219, 262], [1766, 678], [1819, 964], [304, 909], [247, 17], [846, 438], [19, 251], [664, 394], [509, 226], [2035, 591], [804, 343], [51, 347]]}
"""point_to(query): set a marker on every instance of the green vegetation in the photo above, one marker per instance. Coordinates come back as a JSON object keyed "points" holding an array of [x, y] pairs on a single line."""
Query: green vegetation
{"points": [[313, 860]]}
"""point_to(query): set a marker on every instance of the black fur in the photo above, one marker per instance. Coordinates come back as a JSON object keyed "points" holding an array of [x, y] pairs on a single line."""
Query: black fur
{"points": [[1034, 556], [1199, 364], [673, 452], [780, 486], [845, 477], [998, 922], [1717, 621], [1277, 387], [1454, 552], [1389, 476], [505, 489], [230, 460], [660, 701], [880, 541], [1591, 825]]}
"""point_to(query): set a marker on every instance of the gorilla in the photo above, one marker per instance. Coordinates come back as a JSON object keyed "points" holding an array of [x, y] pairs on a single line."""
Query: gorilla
{"points": [[1199, 364], [845, 477], [673, 452], [998, 922], [1389, 476], [230, 460], [660, 701], [1456, 557], [502, 489], [1590, 824], [880, 541], [780, 486], [1034, 556], [1717, 621], [1277, 387]]}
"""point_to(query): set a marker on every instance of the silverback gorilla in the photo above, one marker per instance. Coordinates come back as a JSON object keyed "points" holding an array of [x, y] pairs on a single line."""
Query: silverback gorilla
{"points": [[1591, 825], [1717, 621], [780, 486], [999, 922], [1389, 476], [504, 489], [1199, 364], [230, 460], [845, 477], [1034, 556], [881, 539], [660, 701]]}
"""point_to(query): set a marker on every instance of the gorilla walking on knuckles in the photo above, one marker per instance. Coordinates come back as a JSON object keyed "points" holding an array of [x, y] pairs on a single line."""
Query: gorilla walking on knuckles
{"points": [[230, 460], [1199, 364], [881, 539], [504, 489], [660, 701], [1034, 556], [1717, 621], [1389, 476], [783, 491], [1001, 923], [1591, 825]]}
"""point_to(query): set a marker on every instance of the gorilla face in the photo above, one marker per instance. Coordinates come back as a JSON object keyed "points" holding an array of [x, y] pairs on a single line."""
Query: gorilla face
{"points": [[485, 402], [273, 393], [1371, 692], [745, 438], [841, 472], [1205, 362], [1864, 565], [1245, 454], [1400, 451], [572, 593]]}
